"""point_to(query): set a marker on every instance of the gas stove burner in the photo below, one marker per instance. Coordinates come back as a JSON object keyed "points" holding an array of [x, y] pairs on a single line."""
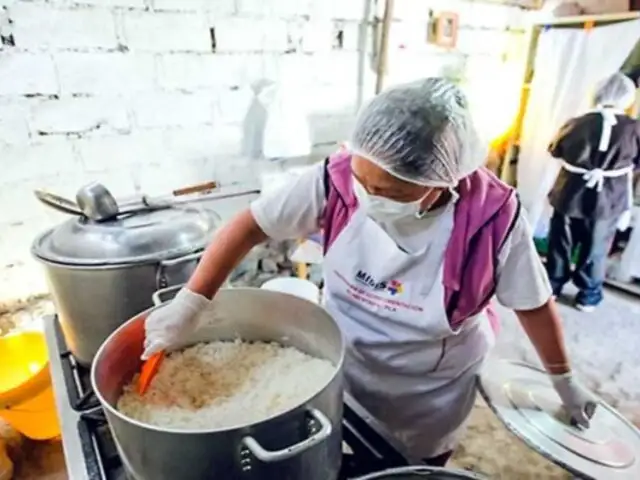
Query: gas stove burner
{"points": [[77, 378]]}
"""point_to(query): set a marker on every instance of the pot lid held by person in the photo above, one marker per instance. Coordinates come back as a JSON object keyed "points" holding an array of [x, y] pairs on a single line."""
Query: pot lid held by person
{"points": [[142, 237], [523, 397]]}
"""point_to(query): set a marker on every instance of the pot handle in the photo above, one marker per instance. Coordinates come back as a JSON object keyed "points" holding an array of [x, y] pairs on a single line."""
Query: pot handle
{"points": [[161, 279], [158, 294], [58, 203], [270, 456]]}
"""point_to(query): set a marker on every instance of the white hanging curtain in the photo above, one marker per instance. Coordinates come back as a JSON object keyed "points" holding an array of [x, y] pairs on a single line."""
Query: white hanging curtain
{"points": [[569, 63]]}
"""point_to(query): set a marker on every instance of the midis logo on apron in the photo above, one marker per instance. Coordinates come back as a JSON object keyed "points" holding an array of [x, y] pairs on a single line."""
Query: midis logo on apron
{"points": [[393, 287]]}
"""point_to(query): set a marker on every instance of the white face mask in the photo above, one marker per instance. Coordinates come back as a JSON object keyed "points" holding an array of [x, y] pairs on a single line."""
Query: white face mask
{"points": [[384, 209]]}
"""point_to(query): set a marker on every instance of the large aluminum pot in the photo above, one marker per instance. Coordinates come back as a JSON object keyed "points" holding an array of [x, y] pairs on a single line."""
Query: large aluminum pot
{"points": [[102, 273], [421, 473], [303, 443]]}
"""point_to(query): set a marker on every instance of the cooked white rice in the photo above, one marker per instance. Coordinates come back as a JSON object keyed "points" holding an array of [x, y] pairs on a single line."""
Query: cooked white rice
{"points": [[226, 384]]}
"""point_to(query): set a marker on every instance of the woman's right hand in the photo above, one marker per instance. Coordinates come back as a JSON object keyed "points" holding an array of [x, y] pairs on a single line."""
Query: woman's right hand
{"points": [[171, 323]]}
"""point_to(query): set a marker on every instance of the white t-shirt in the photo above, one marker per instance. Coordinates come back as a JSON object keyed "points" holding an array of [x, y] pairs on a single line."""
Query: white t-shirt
{"points": [[294, 210]]}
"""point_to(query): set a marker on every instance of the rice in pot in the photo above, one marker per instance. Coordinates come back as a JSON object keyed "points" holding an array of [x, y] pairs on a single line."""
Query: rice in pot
{"points": [[226, 384]]}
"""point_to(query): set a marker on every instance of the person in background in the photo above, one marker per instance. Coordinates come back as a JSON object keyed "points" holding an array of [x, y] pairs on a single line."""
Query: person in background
{"points": [[592, 195], [418, 238]]}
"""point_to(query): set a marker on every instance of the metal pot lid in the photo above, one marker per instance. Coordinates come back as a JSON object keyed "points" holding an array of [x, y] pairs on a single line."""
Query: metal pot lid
{"points": [[523, 397], [131, 238], [421, 473]]}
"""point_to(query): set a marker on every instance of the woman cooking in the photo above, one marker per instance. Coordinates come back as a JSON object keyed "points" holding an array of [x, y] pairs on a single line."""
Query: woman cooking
{"points": [[418, 239]]}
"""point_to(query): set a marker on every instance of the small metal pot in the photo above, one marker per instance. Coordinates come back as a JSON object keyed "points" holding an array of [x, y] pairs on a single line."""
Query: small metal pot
{"points": [[302, 443], [421, 473], [102, 273]]}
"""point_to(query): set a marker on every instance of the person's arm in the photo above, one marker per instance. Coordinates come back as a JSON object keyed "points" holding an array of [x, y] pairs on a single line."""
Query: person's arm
{"points": [[544, 329], [291, 211], [556, 146], [543, 326], [286, 213], [523, 286], [230, 245]]}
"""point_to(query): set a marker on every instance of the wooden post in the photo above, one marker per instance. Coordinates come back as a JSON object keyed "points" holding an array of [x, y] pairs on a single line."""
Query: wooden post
{"points": [[383, 51]]}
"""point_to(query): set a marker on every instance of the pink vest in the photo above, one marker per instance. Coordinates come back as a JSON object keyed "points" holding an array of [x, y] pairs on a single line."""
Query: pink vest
{"points": [[484, 216]]}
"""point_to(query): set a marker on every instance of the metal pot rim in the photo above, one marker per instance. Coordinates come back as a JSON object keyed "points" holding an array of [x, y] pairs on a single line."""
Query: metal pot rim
{"points": [[417, 469], [114, 411], [96, 267], [116, 262]]}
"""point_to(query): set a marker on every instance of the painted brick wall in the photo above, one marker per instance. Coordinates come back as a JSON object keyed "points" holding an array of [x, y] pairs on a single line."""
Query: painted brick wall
{"points": [[602, 6], [131, 93]]}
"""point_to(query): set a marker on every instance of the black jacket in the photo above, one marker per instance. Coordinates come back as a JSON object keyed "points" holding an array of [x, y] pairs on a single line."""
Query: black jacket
{"points": [[577, 144]]}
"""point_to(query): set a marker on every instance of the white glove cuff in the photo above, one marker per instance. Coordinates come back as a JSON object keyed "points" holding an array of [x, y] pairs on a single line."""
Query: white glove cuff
{"points": [[561, 376], [193, 301]]}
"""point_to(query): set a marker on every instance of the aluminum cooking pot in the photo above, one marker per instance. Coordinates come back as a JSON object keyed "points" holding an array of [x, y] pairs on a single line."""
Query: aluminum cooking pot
{"points": [[302, 443], [102, 273], [421, 473]]}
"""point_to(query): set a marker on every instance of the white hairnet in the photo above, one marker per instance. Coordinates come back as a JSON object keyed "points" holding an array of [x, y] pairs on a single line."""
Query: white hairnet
{"points": [[420, 132], [617, 91]]}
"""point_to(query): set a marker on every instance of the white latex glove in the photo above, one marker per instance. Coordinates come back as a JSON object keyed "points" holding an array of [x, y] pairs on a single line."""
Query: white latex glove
{"points": [[168, 325], [579, 402]]}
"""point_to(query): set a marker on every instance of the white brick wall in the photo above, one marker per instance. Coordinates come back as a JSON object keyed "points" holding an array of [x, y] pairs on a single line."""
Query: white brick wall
{"points": [[217, 7], [13, 123], [172, 109], [79, 115], [110, 3], [25, 73], [251, 35], [44, 157], [130, 93], [42, 27], [166, 31], [593, 6], [101, 73]]}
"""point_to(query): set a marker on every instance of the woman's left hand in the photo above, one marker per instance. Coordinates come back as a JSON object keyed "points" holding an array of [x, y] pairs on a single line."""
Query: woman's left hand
{"points": [[544, 328], [579, 402]]}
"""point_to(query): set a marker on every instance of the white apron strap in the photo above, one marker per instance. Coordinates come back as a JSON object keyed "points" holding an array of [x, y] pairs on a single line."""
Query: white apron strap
{"points": [[608, 121], [595, 177]]}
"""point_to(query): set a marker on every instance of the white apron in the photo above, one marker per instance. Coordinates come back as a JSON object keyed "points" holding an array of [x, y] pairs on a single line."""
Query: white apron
{"points": [[404, 363]]}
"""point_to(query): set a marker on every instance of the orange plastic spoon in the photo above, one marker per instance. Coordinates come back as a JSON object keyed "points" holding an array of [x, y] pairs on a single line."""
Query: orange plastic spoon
{"points": [[148, 371]]}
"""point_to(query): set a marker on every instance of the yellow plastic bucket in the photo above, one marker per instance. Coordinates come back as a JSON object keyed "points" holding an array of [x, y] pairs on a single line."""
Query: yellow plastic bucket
{"points": [[26, 395]]}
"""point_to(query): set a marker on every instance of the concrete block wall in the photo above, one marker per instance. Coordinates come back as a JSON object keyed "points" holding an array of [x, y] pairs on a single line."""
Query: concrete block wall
{"points": [[152, 94], [590, 7]]}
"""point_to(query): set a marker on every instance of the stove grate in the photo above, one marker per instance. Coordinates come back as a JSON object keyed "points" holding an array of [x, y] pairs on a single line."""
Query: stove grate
{"points": [[77, 378], [99, 449]]}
